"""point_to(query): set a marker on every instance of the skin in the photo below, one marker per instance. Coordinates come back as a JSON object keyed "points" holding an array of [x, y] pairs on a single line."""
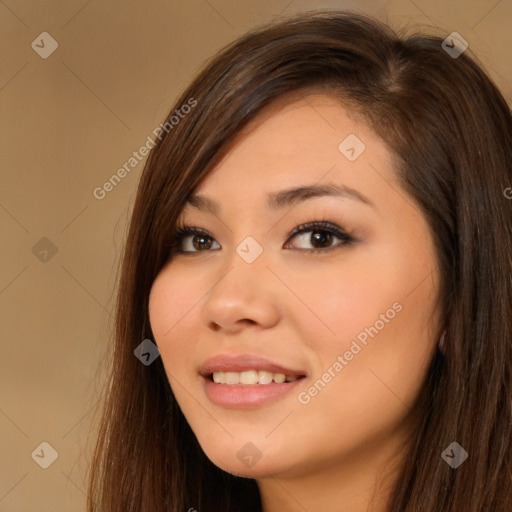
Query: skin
{"points": [[304, 309]]}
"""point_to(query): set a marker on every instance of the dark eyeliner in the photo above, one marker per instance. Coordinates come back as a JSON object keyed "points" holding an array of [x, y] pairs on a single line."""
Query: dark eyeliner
{"points": [[319, 225], [181, 232], [323, 225]]}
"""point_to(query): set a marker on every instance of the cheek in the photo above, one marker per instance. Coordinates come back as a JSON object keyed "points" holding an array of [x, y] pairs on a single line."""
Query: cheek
{"points": [[340, 300], [380, 310], [173, 300], [162, 309], [172, 324]]}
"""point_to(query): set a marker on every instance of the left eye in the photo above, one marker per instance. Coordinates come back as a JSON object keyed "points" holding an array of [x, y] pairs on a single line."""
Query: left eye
{"points": [[320, 234]]}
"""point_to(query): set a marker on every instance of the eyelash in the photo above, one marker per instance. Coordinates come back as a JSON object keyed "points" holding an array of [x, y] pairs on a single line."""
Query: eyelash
{"points": [[318, 225]]}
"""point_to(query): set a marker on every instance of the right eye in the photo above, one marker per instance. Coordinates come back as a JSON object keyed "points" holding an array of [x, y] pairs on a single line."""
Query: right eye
{"points": [[193, 238]]}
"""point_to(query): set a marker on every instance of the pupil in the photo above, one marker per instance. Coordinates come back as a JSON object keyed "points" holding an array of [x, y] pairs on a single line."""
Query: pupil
{"points": [[197, 245], [323, 237]]}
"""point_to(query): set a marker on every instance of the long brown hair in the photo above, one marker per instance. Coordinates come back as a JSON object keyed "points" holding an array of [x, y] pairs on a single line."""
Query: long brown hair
{"points": [[450, 131]]}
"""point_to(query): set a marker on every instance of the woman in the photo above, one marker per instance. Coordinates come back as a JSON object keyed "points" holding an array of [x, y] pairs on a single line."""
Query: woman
{"points": [[320, 250]]}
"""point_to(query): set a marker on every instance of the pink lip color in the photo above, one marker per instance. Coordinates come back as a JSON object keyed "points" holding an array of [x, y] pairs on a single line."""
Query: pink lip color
{"points": [[242, 362], [255, 395]]}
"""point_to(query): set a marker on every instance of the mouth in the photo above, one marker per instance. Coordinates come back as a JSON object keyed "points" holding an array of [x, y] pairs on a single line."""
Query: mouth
{"points": [[252, 377], [247, 380]]}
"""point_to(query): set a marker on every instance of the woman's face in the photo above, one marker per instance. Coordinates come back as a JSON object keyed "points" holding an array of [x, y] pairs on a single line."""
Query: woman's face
{"points": [[354, 320]]}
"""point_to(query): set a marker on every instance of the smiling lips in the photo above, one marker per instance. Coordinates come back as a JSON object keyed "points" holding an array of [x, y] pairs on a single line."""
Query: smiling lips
{"points": [[246, 367], [246, 380], [251, 377]]}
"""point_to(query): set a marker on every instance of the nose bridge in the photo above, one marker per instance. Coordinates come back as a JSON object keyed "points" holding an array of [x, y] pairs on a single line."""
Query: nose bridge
{"points": [[245, 269], [247, 239], [243, 290]]}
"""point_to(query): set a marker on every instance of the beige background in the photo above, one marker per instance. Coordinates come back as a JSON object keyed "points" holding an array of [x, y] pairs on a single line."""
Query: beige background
{"points": [[68, 123]]}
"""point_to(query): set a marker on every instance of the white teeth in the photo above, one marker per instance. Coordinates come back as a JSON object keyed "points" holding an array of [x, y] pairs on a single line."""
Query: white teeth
{"points": [[265, 377], [251, 377], [279, 377], [232, 377], [219, 377]]}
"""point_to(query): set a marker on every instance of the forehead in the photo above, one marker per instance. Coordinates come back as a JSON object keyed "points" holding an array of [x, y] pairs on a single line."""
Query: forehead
{"points": [[293, 142]]}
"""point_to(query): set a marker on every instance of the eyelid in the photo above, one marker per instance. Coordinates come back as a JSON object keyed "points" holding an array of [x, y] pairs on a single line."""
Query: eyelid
{"points": [[183, 231], [322, 225]]}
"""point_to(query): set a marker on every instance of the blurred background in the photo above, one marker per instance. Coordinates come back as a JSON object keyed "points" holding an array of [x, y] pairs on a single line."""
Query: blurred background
{"points": [[83, 83]]}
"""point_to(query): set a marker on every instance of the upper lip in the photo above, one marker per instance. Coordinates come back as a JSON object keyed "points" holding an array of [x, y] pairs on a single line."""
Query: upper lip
{"points": [[243, 362]]}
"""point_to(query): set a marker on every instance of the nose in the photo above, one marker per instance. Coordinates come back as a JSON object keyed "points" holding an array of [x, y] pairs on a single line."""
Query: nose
{"points": [[246, 294]]}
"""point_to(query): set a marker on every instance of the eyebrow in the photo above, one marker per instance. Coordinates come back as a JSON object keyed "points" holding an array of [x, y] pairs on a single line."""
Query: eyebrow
{"points": [[288, 197]]}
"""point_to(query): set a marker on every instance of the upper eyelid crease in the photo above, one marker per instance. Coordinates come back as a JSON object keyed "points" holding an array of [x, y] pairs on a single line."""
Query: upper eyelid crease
{"points": [[185, 231], [287, 198]]}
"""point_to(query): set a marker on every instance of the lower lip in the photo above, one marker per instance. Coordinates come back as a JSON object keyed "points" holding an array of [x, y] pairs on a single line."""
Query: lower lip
{"points": [[256, 395]]}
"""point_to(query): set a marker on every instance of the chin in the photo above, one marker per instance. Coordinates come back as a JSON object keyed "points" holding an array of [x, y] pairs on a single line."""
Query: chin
{"points": [[247, 460], [259, 471]]}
